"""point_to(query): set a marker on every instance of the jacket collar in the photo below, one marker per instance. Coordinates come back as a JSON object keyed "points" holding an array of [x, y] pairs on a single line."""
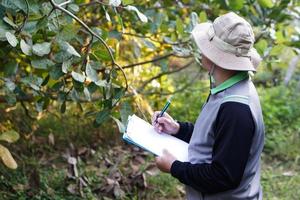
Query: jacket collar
{"points": [[230, 82]]}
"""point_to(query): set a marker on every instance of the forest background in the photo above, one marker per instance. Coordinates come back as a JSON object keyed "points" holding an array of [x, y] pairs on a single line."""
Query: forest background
{"points": [[72, 71]]}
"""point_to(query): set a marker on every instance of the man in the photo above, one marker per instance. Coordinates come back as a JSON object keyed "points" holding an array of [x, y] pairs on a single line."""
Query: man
{"points": [[227, 139]]}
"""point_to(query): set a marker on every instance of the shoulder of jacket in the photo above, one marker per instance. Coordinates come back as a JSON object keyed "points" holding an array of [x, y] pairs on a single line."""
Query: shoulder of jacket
{"points": [[236, 98]]}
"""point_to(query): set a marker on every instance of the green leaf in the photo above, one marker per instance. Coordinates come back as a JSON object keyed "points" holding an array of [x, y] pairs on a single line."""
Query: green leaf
{"points": [[33, 81], [266, 3], [87, 94], [10, 22], [46, 80], [136, 49], [149, 44], [7, 158], [194, 19], [56, 73], [118, 93], [107, 16], [120, 20], [179, 26], [10, 98], [26, 49], [102, 116], [78, 77], [41, 49], [164, 65], [11, 68], [3, 30], [68, 32], [121, 126], [101, 83], [66, 65], [42, 23], [10, 85], [115, 2], [73, 7], [10, 136], [99, 52], [261, 46], [15, 4], [141, 16], [127, 2], [277, 50], [69, 49], [91, 73], [125, 111], [9, 4], [11, 38], [181, 50], [236, 4], [203, 16], [43, 63]]}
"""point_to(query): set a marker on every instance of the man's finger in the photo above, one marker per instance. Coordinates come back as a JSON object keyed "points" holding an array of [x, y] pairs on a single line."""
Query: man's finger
{"points": [[160, 128], [154, 116], [162, 120], [157, 129]]}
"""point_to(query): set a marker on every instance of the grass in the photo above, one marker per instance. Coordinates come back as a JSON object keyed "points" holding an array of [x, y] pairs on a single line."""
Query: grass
{"points": [[43, 164], [281, 180]]}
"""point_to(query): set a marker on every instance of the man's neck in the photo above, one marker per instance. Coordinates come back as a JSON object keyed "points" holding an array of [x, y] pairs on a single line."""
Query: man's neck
{"points": [[221, 75]]}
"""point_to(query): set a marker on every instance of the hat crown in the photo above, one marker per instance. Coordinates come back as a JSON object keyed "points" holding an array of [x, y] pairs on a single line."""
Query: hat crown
{"points": [[234, 30]]}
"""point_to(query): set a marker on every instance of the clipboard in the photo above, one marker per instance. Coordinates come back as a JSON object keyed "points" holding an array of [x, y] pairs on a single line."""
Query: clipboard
{"points": [[142, 134]]}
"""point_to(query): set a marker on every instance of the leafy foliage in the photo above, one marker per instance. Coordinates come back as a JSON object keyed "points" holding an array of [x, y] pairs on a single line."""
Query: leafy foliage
{"points": [[90, 53]]}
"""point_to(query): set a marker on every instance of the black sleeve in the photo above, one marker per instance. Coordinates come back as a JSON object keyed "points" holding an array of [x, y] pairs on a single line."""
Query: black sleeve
{"points": [[185, 131], [234, 130]]}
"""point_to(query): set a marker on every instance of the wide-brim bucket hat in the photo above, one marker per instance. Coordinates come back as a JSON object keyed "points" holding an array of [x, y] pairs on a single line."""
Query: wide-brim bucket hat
{"points": [[228, 42]]}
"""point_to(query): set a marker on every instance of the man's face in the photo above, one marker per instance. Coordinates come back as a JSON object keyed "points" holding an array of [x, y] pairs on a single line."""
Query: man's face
{"points": [[206, 63]]}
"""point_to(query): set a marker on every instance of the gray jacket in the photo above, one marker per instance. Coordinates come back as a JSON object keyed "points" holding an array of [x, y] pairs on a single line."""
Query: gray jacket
{"points": [[201, 143]]}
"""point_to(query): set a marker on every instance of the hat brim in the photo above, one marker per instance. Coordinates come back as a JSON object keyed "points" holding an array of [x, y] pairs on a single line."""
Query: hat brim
{"points": [[221, 58]]}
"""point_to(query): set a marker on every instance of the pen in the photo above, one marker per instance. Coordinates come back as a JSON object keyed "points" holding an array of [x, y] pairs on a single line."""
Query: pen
{"points": [[164, 109]]}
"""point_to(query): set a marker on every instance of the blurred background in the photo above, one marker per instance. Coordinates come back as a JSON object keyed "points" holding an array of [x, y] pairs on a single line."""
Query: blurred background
{"points": [[72, 71]]}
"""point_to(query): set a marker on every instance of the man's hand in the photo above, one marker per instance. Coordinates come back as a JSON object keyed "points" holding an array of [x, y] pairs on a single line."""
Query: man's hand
{"points": [[165, 124], [165, 161]]}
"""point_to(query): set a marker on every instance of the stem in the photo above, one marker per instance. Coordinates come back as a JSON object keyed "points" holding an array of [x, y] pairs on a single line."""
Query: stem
{"points": [[25, 18], [164, 73], [56, 6], [85, 26]]}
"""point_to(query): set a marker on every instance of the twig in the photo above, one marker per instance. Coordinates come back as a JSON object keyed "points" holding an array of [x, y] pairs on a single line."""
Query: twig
{"points": [[87, 51], [56, 6], [26, 111], [164, 73], [154, 60], [149, 61], [65, 3], [142, 36], [99, 2], [176, 91], [154, 40], [25, 18]]}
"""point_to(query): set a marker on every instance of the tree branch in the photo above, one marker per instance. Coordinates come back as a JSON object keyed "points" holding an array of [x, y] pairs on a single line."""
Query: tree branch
{"points": [[155, 40], [164, 73], [154, 60], [87, 28], [170, 93]]}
